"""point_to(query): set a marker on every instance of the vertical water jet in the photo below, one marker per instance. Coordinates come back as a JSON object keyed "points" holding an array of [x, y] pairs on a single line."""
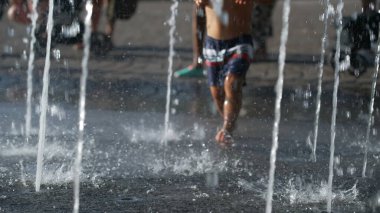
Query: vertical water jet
{"points": [[372, 101], [172, 24], [320, 76], [335, 103], [279, 89], [44, 99], [82, 104], [28, 114]]}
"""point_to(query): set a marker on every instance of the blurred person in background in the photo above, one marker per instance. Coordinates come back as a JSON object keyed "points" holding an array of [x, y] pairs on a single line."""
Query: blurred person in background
{"points": [[115, 10], [262, 26], [369, 5], [20, 10]]}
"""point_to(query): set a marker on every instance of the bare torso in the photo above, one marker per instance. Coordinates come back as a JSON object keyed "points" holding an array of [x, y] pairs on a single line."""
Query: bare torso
{"points": [[239, 20]]}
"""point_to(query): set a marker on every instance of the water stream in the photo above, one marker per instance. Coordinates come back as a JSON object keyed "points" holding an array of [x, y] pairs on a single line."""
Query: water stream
{"points": [[44, 99], [320, 76], [172, 24], [28, 115], [82, 104], [334, 104], [370, 113], [279, 88]]}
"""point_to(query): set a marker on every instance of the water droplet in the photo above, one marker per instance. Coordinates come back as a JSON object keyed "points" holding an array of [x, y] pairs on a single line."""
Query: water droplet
{"points": [[348, 114], [351, 170], [8, 49], [17, 65], [374, 132], [306, 104], [11, 32], [176, 101], [57, 54], [24, 55]]}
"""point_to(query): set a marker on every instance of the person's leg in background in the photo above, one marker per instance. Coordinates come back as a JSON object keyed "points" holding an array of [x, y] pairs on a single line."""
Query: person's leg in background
{"points": [[368, 5], [96, 14], [117, 10], [262, 27], [101, 42], [110, 26]]}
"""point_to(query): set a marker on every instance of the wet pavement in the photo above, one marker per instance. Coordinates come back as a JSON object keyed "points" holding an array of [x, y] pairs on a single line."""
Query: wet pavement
{"points": [[125, 166]]}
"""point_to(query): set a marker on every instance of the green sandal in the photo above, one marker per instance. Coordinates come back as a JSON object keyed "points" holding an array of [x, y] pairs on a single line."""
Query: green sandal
{"points": [[189, 71]]}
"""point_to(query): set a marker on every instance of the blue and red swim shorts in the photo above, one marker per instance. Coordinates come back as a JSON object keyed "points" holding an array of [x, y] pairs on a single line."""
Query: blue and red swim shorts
{"points": [[227, 56]]}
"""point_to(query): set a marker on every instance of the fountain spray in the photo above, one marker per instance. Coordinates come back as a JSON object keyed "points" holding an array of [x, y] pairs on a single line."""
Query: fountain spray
{"points": [[28, 115], [320, 75], [370, 115], [82, 104], [172, 24], [335, 103], [279, 88], [44, 99]]}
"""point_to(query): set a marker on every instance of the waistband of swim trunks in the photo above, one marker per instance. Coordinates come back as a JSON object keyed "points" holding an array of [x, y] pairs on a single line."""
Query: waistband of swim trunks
{"points": [[244, 38]]}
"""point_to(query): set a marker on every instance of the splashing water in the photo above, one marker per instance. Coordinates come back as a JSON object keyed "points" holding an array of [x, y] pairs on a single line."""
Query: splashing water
{"points": [[335, 103], [320, 75], [44, 99], [82, 104], [52, 150], [370, 118], [312, 193], [188, 164], [172, 24], [28, 115], [297, 191], [279, 88], [22, 174]]}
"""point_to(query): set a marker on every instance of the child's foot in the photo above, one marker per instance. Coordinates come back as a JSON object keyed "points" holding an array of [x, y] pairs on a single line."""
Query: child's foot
{"points": [[190, 71], [100, 43], [224, 139]]}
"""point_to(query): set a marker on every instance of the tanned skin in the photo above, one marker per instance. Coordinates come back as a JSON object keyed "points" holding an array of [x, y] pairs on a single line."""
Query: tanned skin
{"points": [[228, 99]]}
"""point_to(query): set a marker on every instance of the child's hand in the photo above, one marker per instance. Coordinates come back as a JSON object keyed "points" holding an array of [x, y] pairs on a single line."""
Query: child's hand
{"points": [[241, 1], [200, 2]]}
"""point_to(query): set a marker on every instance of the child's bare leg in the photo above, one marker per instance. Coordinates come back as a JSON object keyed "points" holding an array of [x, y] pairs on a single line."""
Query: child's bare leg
{"points": [[233, 85], [217, 94], [110, 26], [233, 98]]}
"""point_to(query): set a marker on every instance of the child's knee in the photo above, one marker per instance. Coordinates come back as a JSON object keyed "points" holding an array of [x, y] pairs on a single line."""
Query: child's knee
{"points": [[233, 82], [11, 13]]}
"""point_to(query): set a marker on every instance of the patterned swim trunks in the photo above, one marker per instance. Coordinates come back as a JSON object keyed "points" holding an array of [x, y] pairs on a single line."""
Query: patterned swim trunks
{"points": [[227, 56]]}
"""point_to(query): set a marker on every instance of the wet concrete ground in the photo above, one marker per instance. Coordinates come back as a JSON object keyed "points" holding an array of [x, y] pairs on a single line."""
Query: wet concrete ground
{"points": [[126, 169]]}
